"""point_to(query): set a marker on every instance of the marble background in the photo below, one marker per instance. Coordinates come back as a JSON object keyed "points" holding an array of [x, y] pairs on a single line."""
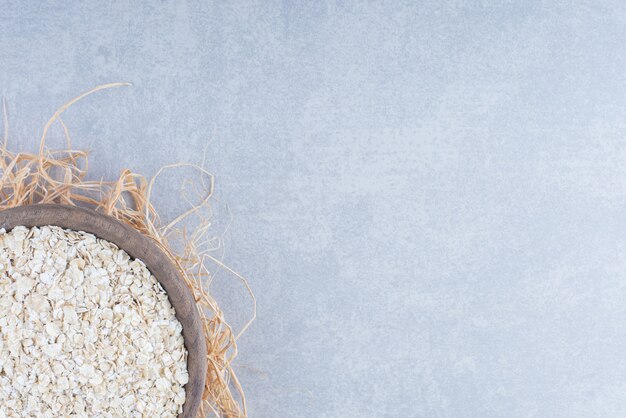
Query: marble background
{"points": [[428, 198]]}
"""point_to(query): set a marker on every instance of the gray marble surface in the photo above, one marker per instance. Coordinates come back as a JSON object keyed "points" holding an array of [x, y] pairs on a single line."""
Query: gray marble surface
{"points": [[428, 198]]}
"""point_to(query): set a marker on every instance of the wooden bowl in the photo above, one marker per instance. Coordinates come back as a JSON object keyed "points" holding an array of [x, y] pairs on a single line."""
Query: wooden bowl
{"points": [[138, 246]]}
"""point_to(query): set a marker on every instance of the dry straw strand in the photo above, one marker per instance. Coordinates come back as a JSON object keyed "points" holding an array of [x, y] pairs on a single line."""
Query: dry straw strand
{"points": [[59, 176]]}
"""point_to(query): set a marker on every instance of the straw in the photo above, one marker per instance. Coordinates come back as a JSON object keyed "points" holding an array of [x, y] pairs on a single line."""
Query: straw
{"points": [[59, 176]]}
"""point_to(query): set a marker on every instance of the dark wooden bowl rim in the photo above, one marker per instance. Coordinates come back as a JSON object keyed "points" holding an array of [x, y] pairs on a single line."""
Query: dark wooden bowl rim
{"points": [[140, 246]]}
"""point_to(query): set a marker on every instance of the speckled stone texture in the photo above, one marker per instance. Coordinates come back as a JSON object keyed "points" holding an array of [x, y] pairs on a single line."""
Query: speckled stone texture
{"points": [[429, 198]]}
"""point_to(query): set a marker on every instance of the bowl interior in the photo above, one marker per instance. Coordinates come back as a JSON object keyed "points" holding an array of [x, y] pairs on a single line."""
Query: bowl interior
{"points": [[138, 246]]}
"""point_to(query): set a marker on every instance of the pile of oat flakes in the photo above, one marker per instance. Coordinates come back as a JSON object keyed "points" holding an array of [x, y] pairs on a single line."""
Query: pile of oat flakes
{"points": [[84, 330]]}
